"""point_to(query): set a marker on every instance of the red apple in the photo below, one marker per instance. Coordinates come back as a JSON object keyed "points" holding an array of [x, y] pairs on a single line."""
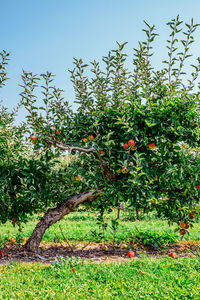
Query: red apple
{"points": [[91, 137], [126, 170], [14, 220], [125, 146], [133, 148], [182, 224], [73, 270], [85, 140], [198, 186], [101, 152], [172, 254], [131, 143], [33, 139], [182, 232], [1, 254], [78, 178], [191, 216], [132, 242], [131, 254], [187, 226], [58, 132], [152, 145]]}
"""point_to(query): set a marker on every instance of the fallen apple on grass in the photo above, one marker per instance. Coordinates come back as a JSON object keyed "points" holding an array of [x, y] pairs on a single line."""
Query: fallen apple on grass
{"points": [[131, 254], [172, 254], [12, 241]]}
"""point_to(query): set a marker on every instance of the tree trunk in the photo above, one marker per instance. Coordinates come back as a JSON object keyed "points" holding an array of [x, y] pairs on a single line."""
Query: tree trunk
{"points": [[55, 214], [137, 214]]}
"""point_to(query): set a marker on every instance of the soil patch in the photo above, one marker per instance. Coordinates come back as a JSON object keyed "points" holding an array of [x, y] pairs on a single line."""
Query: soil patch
{"points": [[106, 253]]}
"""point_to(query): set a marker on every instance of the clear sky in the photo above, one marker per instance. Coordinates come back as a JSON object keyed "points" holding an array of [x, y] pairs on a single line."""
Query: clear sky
{"points": [[45, 35]]}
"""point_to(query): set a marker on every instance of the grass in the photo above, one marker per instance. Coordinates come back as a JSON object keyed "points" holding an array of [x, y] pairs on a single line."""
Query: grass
{"points": [[79, 226], [137, 278], [144, 278]]}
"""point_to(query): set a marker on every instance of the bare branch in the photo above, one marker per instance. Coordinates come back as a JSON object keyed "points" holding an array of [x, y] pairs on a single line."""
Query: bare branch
{"points": [[70, 148]]}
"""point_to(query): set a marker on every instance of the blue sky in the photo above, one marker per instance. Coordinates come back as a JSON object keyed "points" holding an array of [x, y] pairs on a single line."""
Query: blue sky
{"points": [[45, 35]]}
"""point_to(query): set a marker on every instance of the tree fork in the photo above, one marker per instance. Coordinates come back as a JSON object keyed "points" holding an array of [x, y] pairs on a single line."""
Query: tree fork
{"points": [[55, 214]]}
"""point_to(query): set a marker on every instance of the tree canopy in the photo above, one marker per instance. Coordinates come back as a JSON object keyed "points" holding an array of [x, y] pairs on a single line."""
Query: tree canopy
{"points": [[133, 138]]}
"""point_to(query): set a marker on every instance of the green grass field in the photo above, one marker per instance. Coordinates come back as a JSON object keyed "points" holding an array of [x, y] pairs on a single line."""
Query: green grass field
{"points": [[144, 278], [80, 226]]}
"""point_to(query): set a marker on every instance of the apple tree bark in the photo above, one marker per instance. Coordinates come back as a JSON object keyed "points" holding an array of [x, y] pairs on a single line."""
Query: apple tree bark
{"points": [[55, 214]]}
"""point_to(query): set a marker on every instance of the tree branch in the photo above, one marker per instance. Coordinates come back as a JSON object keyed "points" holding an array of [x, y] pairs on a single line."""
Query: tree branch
{"points": [[91, 150], [55, 214], [70, 148], [155, 162]]}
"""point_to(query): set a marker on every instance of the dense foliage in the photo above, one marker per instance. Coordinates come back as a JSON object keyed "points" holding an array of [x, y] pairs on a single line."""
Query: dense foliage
{"points": [[136, 134]]}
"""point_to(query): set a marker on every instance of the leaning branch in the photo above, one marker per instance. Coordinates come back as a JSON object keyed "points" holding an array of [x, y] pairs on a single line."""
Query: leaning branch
{"points": [[55, 214]]}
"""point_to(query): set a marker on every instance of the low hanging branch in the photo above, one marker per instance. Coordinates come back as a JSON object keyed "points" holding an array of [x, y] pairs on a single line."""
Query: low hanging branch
{"points": [[55, 214]]}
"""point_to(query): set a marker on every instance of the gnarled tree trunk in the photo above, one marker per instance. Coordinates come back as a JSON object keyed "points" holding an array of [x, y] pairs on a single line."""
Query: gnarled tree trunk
{"points": [[55, 214]]}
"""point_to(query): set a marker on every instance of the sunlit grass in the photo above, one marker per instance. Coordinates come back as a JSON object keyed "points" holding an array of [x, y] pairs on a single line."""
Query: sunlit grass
{"points": [[80, 226], [145, 278]]}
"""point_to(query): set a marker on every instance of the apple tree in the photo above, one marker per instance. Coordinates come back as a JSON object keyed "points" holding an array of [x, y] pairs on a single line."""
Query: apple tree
{"points": [[133, 138]]}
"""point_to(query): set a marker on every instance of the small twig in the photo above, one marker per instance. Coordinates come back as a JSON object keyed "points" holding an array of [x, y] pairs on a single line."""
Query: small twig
{"points": [[68, 243], [57, 239]]}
